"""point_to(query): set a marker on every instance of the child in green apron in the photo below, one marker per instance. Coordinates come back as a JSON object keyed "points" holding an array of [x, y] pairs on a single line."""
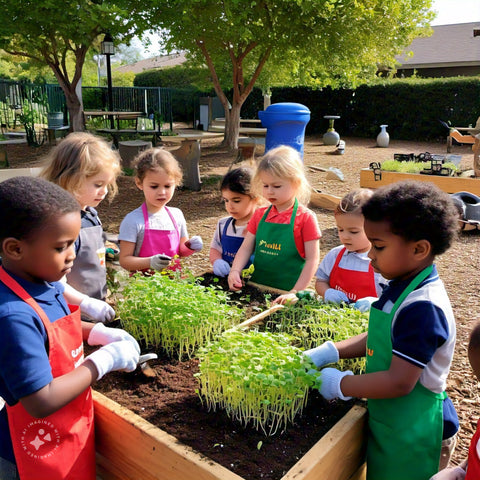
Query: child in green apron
{"points": [[285, 235], [411, 336]]}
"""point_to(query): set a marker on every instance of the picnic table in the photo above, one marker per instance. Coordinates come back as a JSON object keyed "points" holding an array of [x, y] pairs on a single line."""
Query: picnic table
{"points": [[116, 133]]}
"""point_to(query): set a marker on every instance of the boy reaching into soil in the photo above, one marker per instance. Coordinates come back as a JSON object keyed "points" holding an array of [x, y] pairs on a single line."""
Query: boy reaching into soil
{"points": [[345, 273], [410, 340], [46, 429], [469, 469], [153, 234], [240, 204]]}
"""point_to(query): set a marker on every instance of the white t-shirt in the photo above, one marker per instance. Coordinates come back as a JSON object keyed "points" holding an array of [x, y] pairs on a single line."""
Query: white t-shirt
{"points": [[132, 228], [238, 232]]}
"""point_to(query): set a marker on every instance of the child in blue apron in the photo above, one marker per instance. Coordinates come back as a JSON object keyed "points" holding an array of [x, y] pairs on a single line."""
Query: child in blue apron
{"points": [[468, 469], [345, 273], [153, 234], [46, 427], [86, 166], [240, 204], [285, 235], [410, 340]]}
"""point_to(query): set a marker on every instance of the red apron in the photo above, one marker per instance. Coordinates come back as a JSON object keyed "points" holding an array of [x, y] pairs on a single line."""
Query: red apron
{"points": [[352, 283], [160, 241], [473, 468], [62, 445]]}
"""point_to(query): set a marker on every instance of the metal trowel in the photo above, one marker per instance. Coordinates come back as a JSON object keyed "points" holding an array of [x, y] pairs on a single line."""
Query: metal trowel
{"points": [[147, 370]]}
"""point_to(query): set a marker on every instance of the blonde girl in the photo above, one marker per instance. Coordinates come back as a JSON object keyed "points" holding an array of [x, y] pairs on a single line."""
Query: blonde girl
{"points": [[240, 204], [87, 167], [284, 235], [345, 273], [151, 235]]}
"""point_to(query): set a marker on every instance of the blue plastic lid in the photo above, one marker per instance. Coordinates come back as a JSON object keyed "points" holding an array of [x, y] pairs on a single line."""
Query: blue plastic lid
{"points": [[287, 107]]}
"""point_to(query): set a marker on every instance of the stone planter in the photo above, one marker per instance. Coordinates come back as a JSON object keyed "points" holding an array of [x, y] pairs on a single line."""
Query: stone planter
{"points": [[130, 448], [447, 184]]}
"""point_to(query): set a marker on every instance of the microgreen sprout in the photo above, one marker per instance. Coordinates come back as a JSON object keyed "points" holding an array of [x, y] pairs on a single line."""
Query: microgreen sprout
{"points": [[176, 314], [258, 378]]}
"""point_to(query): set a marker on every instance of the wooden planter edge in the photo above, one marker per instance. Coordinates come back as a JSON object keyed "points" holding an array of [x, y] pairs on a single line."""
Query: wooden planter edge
{"points": [[447, 184], [129, 447]]}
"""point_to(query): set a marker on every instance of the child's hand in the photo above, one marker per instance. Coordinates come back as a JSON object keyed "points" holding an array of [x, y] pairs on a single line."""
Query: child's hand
{"points": [[335, 296], [195, 243], [287, 298], [364, 304], [160, 261], [330, 379], [102, 335], [323, 354], [97, 309], [456, 473], [221, 268], [115, 356], [234, 280]]}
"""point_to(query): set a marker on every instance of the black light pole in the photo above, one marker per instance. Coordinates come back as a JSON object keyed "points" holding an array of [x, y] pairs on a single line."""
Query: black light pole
{"points": [[108, 49]]}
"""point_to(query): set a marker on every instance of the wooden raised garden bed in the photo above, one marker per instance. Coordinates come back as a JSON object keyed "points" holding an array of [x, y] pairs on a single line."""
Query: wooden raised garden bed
{"points": [[447, 184]]}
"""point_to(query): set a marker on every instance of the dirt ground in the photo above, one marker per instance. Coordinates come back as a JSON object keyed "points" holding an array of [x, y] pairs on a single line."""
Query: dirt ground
{"points": [[458, 267]]}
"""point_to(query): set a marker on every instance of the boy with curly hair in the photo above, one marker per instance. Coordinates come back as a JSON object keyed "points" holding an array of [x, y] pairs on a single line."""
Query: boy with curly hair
{"points": [[410, 340]]}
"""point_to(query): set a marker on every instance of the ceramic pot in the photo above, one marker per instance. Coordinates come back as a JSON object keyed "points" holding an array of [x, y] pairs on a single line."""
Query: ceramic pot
{"points": [[383, 138]]}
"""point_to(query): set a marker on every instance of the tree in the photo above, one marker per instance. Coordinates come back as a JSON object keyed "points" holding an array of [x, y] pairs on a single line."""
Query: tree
{"points": [[319, 42], [51, 33]]}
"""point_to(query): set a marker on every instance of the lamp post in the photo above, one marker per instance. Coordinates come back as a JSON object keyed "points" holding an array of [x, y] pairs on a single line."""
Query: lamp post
{"points": [[108, 49]]}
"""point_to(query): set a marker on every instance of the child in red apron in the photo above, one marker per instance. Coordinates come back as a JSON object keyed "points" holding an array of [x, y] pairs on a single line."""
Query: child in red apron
{"points": [[345, 273], [46, 428], [240, 204], [410, 340], [153, 234], [284, 236], [87, 167], [468, 469]]}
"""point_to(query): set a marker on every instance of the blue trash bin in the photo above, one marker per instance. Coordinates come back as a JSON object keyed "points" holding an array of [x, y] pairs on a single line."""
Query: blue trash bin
{"points": [[285, 124]]}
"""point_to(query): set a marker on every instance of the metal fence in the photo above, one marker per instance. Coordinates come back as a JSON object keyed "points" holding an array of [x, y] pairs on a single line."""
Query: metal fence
{"points": [[17, 99]]}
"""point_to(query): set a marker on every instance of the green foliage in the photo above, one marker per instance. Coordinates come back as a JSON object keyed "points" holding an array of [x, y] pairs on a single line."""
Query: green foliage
{"points": [[180, 76], [311, 323], [412, 167], [259, 378], [175, 313]]}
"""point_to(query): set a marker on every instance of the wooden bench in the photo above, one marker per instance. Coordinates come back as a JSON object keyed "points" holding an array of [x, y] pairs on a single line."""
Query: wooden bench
{"points": [[53, 131], [117, 133]]}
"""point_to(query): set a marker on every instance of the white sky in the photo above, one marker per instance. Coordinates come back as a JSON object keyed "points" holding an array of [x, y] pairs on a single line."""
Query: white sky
{"points": [[456, 11]]}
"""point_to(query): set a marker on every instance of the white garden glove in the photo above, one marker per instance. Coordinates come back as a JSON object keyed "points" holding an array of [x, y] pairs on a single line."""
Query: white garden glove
{"points": [[456, 473], [102, 335], [364, 304], [323, 354], [221, 268], [97, 310], [335, 296], [330, 379], [160, 261], [115, 356], [195, 243]]}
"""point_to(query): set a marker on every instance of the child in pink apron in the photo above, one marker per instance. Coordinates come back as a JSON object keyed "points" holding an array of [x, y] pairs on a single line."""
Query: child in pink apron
{"points": [[86, 166], [47, 429], [153, 235], [345, 273]]}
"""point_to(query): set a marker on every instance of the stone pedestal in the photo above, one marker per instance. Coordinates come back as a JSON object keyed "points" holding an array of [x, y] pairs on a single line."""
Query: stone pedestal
{"points": [[129, 149]]}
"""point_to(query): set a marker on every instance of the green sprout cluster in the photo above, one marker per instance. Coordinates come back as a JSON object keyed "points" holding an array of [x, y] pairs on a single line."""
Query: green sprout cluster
{"points": [[258, 378], [176, 314]]}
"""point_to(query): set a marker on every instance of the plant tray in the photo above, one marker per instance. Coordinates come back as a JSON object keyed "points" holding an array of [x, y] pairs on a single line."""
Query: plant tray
{"points": [[129, 447], [447, 184]]}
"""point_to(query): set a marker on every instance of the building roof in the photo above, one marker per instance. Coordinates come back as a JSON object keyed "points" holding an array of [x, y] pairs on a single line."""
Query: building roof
{"points": [[160, 61], [449, 46]]}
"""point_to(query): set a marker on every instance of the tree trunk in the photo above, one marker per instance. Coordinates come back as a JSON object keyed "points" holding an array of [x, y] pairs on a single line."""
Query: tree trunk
{"points": [[232, 125]]}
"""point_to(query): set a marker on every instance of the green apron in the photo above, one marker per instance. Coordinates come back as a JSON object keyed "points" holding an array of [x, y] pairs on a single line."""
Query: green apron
{"points": [[277, 262], [402, 444]]}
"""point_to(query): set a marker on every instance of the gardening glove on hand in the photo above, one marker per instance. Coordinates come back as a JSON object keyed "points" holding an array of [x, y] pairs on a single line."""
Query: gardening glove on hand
{"points": [[102, 335], [160, 261], [330, 379], [335, 296], [221, 268], [97, 310], [364, 304], [115, 356], [456, 473], [323, 354], [195, 243]]}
